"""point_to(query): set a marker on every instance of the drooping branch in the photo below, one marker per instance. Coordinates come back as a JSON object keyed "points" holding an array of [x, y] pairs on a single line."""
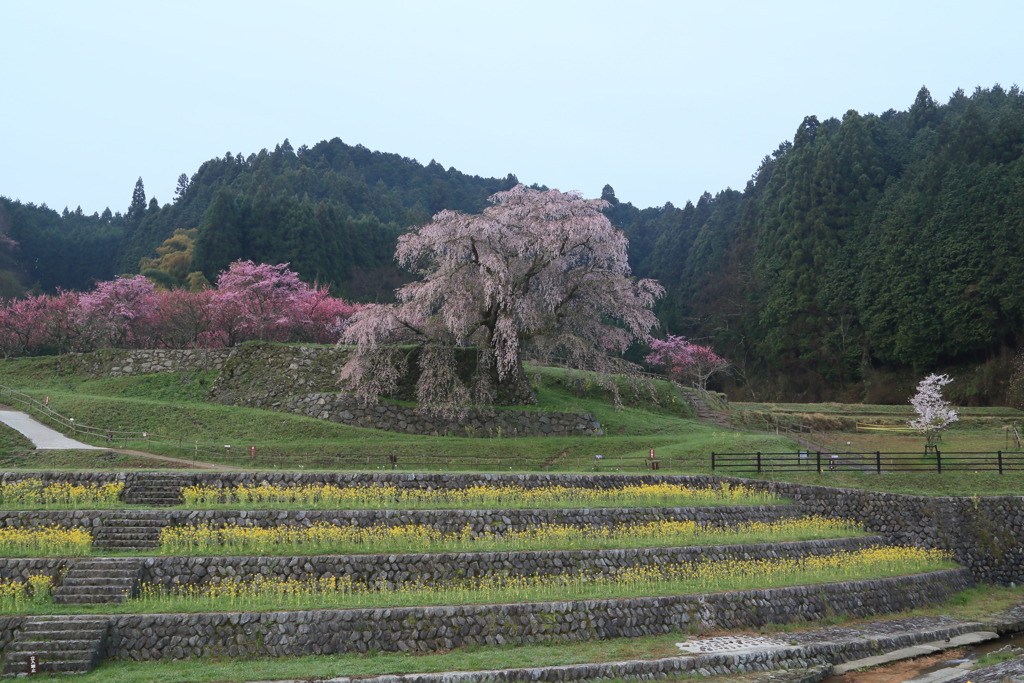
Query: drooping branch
{"points": [[537, 271]]}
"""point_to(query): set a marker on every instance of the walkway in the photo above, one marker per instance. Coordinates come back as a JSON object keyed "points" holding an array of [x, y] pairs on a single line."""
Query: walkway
{"points": [[44, 438], [41, 436]]}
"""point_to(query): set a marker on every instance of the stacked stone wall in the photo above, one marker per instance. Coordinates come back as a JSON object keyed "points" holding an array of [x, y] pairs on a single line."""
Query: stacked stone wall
{"points": [[985, 534], [131, 362], [304, 379], [19, 568], [426, 629]]}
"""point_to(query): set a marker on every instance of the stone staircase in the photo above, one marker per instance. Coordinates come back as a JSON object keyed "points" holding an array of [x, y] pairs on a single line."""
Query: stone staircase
{"points": [[155, 489], [130, 530], [704, 412], [99, 580], [58, 644]]}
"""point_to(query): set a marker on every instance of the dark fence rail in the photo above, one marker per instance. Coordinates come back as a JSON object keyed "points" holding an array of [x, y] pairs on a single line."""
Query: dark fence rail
{"points": [[823, 461]]}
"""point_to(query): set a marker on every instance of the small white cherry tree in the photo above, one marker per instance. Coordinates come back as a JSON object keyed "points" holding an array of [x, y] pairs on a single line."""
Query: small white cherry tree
{"points": [[934, 413]]}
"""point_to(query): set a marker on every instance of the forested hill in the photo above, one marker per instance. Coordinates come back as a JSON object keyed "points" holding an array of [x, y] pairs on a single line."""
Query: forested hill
{"points": [[868, 250], [333, 211]]}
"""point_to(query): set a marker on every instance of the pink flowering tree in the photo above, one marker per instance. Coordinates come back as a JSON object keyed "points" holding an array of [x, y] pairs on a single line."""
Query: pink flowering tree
{"points": [[258, 301], [119, 313], [251, 302], [538, 272], [686, 362], [184, 319], [40, 324], [934, 413], [324, 318]]}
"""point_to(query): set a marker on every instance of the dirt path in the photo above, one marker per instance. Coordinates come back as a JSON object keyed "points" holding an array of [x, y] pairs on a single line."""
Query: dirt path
{"points": [[193, 464]]}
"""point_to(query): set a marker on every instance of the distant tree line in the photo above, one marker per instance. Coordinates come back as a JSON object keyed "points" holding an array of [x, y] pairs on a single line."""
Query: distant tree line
{"points": [[333, 211], [866, 252]]}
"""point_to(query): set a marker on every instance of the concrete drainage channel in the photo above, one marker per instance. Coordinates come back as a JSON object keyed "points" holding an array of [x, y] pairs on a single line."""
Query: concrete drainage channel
{"points": [[952, 666]]}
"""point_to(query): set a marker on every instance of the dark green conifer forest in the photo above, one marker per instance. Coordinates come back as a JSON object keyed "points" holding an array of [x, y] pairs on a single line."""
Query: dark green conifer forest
{"points": [[865, 253]]}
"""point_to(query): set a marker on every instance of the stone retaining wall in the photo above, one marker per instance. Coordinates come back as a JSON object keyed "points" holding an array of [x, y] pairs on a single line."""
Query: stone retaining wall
{"points": [[436, 568], [20, 568], [304, 380], [985, 534], [9, 627], [130, 362], [350, 410], [71, 519], [427, 629]]}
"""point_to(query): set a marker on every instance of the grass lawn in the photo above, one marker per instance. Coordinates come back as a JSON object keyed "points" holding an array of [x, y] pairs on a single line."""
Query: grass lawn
{"points": [[172, 405]]}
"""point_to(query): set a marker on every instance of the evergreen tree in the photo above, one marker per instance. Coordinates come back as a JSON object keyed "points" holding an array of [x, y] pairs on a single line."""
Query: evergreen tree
{"points": [[137, 208]]}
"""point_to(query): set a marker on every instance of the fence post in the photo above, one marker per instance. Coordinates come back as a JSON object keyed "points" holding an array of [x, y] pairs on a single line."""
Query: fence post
{"points": [[759, 462], [1000, 459], [938, 461], [878, 462], [712, 461]]}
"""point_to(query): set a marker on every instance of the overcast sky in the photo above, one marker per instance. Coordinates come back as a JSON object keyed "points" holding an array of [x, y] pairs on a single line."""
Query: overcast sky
{"points": [[661, 99]]}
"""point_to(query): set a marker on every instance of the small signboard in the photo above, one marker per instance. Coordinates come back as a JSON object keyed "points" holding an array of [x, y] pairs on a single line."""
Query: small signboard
{"points": [[32, 664]]}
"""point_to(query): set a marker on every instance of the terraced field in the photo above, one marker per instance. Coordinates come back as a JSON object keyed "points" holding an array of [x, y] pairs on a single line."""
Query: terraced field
{"points": [[423, 564]]}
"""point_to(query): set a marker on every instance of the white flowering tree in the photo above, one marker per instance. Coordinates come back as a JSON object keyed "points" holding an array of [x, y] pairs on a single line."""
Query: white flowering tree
{"points": [[934, 413], [539, 269]]}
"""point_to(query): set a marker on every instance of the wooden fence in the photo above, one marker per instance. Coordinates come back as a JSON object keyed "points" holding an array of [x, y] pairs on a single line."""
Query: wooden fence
{"points": [[823, 461]]}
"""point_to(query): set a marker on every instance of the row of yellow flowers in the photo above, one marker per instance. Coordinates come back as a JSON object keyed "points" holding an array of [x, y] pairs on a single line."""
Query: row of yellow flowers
{"points": [[44, 541], [388, 496], [34, 493], [328, 538], [342, 591], [15, 593]]}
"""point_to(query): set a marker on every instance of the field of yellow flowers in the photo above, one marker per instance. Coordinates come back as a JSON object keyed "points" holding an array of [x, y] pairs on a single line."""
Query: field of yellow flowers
{"points": [[268, 593], [321, 538], [31, 494], [15, 594], [263, 592], [388, 496], [44, 541]]}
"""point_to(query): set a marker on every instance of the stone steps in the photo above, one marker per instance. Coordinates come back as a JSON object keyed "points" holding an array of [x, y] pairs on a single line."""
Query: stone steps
{"points": [[155, 489], [98, 581], [129, 530], [60, 644]]}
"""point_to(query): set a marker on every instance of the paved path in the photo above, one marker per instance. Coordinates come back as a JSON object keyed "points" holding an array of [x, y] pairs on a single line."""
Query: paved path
{"points": [[41, 436], [44, 438]]}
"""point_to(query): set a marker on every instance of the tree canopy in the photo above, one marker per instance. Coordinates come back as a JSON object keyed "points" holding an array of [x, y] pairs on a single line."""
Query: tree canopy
{"points": [[538, 272]]}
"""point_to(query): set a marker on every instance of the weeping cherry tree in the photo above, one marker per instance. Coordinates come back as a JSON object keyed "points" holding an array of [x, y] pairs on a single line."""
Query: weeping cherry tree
{"points": [[539, 272]]}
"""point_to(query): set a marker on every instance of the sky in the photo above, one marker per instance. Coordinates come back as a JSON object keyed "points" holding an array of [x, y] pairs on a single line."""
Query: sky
{"points": [[661, 99]]}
